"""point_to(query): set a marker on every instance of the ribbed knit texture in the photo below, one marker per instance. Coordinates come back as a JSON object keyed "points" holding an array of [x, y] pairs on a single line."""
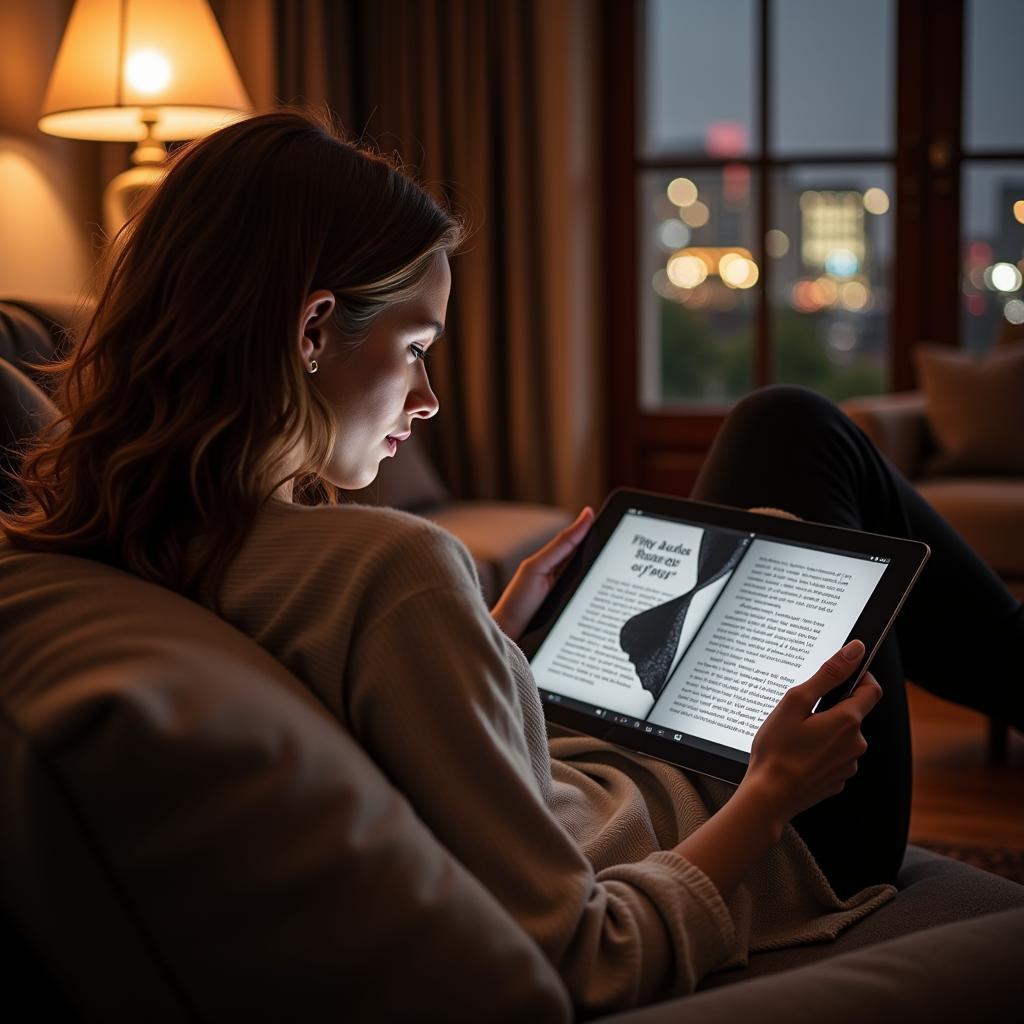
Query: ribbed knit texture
{"points": [[380, 613]]}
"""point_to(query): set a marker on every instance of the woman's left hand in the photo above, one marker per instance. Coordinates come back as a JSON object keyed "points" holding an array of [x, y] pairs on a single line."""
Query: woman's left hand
{"points": [[536, 576]]}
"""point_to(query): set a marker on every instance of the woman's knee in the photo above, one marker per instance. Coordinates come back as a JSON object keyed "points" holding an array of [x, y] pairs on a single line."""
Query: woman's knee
{"points": [[783, 429], [784, 405]]}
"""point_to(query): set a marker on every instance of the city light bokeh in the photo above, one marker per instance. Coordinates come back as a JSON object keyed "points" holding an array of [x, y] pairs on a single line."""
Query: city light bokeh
{"points": [[828, 237], [992, 272], [829, 247], [829, 294], [700, 296], [824, 268]]}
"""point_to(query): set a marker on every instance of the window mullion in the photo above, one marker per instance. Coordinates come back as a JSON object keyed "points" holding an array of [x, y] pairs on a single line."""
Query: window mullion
{"points": [[762, 347]]}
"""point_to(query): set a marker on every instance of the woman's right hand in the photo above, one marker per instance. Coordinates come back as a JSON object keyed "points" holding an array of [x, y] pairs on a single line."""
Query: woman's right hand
{"points": [[797, 758]]}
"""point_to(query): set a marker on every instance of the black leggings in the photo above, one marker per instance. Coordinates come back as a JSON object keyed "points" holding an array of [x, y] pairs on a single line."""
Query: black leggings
{"points": [[960, 634]]}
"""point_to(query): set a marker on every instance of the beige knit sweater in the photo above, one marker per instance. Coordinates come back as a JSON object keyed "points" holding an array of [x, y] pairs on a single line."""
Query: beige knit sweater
{"points": [[380, 613]]}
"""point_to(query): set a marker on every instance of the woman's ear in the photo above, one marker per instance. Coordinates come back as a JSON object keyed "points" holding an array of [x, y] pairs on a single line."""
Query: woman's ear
{"points": [[316, 311]]}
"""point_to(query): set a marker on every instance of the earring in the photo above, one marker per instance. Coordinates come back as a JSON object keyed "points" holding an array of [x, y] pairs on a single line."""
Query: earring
{"points": [[313, 367]]}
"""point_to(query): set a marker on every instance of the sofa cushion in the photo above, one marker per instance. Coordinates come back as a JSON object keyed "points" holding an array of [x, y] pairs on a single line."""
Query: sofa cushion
{"points": [[188, 834], [896, 424], [975, 408], [987, 512], [963, 971], [24, 408], [933, 890], [28, 334]]}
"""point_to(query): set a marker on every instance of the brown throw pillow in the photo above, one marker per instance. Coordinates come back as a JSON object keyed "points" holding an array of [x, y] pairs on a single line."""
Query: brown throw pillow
{"points": [[975, 408]]}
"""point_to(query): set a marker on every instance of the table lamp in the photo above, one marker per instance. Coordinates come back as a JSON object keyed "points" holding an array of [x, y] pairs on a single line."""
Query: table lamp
{"points": [[144, 71]]}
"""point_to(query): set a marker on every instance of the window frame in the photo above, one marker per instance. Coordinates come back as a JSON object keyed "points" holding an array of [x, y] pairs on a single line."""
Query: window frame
{"points": [[663, 450]]}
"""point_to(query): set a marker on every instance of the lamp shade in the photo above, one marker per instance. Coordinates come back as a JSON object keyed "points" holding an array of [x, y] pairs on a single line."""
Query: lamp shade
{"points": [[119, 58]]}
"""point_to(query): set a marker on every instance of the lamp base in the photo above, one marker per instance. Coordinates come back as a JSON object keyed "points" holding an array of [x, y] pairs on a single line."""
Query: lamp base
{"points": [[124, 192]]}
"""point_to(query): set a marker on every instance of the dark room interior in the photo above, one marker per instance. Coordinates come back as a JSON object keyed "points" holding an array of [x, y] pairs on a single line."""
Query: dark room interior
{"points": [[448, 449]]}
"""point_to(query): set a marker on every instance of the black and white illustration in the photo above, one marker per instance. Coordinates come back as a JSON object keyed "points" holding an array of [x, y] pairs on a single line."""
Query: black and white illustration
{"points": [[638, 608], [654, 640]]}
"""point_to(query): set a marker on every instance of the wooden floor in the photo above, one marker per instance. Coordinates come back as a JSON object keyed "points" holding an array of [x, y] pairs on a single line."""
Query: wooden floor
{"points": [[958, 796]]}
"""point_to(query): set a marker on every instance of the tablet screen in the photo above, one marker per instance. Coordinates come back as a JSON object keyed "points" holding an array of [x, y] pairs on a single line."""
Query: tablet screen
{"points": [[694, 632]]}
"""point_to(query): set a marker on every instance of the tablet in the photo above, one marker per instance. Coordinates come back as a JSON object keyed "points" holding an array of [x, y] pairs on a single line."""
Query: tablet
{"points": [[678, 625]]}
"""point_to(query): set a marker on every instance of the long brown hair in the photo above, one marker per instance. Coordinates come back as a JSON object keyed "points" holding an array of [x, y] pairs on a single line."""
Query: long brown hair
{"points": [[184, 396]]}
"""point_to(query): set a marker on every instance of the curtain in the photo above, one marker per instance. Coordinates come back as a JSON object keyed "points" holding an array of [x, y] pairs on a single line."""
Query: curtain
{"points": [[492, 103]]}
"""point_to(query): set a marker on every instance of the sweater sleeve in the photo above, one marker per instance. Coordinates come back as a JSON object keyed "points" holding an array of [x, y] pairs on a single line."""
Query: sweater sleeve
{"points": [[432, 697]]}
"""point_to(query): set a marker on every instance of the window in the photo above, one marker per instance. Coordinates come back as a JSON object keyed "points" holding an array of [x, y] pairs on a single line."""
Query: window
{"points": [[764, 178], [801, 191], [992, 204]]}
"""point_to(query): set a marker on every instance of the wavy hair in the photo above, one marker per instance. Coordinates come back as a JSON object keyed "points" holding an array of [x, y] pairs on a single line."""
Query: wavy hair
{"points": [[184, 397]]}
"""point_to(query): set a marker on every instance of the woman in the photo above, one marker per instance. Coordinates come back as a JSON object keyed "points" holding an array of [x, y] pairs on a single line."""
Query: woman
{"points": [[260, 340]]}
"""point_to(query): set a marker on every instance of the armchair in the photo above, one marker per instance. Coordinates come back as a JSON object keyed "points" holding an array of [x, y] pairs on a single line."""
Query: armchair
{"points": [[987, 511]]}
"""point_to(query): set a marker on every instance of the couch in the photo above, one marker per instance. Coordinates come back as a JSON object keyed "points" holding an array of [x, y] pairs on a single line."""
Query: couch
{"points": [[186, 833], [986, 510]]}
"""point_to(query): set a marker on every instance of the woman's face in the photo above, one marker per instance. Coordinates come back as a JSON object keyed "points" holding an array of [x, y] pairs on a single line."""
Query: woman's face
{"points": [[378, 387]]}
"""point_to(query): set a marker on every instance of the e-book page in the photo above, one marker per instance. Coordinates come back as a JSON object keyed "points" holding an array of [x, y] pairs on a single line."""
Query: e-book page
{"points": [[622, 633], [786, 609]]}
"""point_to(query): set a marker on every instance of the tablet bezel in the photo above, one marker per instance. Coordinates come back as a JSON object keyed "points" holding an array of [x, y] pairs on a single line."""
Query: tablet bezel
{"points": [[907, 558]]}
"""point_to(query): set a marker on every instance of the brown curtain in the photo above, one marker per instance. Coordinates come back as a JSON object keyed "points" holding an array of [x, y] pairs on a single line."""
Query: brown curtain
{"points": [[493, 103]]}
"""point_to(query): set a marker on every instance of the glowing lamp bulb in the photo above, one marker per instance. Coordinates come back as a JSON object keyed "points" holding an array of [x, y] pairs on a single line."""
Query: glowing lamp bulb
{"points": [[147, 71]]}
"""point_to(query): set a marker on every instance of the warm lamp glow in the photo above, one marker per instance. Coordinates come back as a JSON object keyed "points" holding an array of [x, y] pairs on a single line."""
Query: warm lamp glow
{"points": [[148, 71], [141, 71], [124, 62], [44, 255]]}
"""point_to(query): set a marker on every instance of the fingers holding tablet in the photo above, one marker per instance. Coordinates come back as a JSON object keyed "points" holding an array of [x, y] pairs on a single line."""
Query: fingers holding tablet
{"points": [[864, 697], [799, 758], [833, 673]]}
